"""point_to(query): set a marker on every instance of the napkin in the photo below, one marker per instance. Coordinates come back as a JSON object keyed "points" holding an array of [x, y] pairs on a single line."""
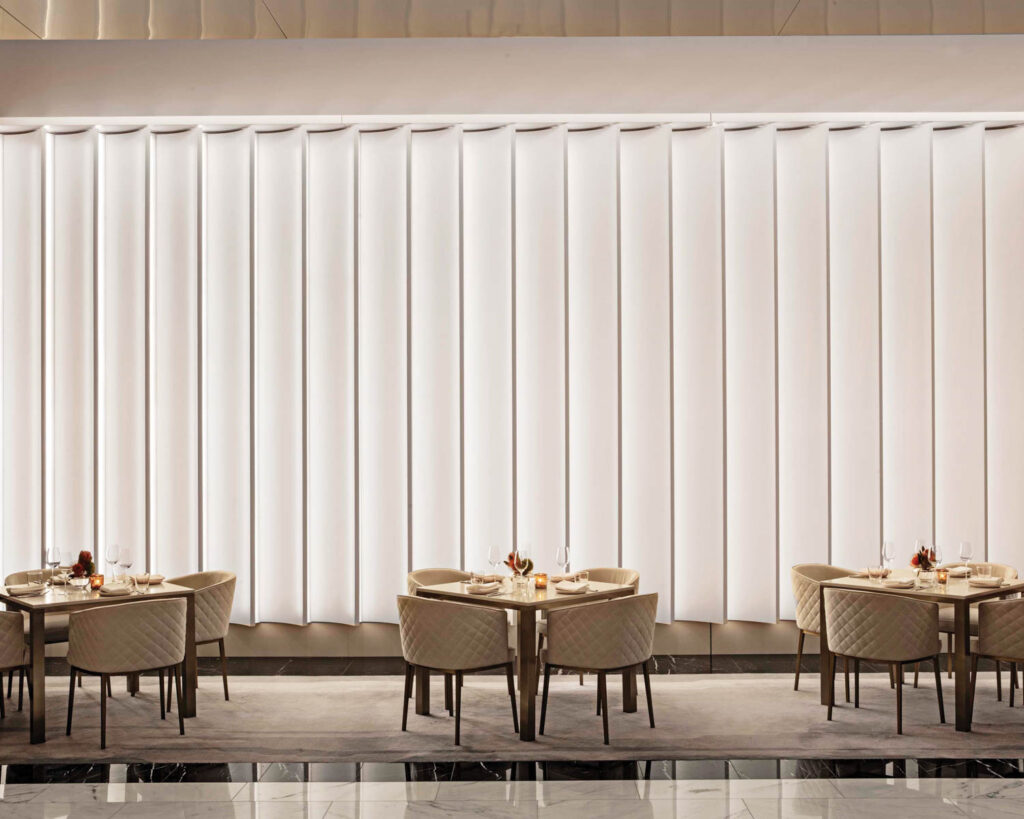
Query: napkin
{"points": [[115, 589], [985, 582], [899, 583], [960, 571], [572, 587], [26, 589], [864, 573], [483, 588], [154, 579]]}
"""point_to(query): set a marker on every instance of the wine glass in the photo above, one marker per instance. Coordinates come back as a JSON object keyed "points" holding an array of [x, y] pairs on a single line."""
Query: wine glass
{"points": [[110, 558], [125, 559], [966, 552], [520, 559], [937, 552], [562, 558], [496, 557], [52, 560], [888, 553]]}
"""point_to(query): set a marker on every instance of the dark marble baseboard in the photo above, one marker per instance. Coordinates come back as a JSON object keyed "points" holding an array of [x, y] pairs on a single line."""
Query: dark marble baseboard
{"points": [[710, 769]]}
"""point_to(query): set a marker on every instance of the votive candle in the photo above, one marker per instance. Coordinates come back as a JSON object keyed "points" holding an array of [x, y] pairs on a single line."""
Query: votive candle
{"points": [[942, 575], [540, 580], [95, 581]]}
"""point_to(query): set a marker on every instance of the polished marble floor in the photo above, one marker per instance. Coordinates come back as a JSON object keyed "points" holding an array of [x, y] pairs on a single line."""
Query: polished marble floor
{"points": [[704, 789]]}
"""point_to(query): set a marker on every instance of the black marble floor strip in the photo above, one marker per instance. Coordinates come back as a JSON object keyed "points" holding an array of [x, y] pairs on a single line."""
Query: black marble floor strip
{"points": [[710, 769]]}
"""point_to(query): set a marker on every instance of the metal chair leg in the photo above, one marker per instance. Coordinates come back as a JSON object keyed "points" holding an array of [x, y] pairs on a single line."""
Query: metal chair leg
{"points": [[224, 667], [799, 656], [1013, 674], [973, 685], [544, 697], [949, 656], [71, 703], [831, 671], [21, 687], [846, 675], [899, 700], [938, 691], [179, 673], [10, 682], [917, 673], [647, 685], [407, 694], [856, 683], [512, 696], [448, 702], [999, 681], [163, 710], [103, 712], [602, 684], [458, 705]]}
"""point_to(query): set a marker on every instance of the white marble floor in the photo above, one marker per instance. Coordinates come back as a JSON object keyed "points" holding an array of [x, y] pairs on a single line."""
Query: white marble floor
{"points": [[592, 799]]}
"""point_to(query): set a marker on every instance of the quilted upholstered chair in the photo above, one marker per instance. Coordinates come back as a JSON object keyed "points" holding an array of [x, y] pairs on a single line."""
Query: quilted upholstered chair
{"points": [[14, 652], [215, 594], [455, 639], [621, 577], [807, 579], [56, 630], [1000, 637], [432, 577], [127, 639], [882, 628], [603, 637], [946, 619]]}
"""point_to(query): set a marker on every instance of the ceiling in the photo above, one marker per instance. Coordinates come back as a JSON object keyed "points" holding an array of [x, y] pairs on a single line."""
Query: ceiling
{"points": [[218, 19]]}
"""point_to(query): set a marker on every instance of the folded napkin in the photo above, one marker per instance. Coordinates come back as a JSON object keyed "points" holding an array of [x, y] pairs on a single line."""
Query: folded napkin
{"points": [[864, 573], [483, 588], [26, 589], [572, 587], [899, 582], [115, 589], [154, 579], [986, 582], [960, 571], [492, 578], [58, 580]]}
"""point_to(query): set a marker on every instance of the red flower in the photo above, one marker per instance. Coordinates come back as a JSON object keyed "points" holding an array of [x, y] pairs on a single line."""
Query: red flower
{"points": [[84, 557], [78, 570], [913, 560]]}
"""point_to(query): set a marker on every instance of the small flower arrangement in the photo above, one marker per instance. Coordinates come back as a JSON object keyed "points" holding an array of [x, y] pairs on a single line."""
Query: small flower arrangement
{"points": [[525, 564], [924, 559], [85, 566]]}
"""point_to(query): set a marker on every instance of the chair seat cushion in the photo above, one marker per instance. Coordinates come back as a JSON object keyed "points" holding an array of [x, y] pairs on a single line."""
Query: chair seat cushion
{"points": [[946, 619], [56, 628]]}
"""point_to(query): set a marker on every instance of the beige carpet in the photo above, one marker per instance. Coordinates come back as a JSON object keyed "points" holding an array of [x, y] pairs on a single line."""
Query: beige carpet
{"points": [[319, 719]]}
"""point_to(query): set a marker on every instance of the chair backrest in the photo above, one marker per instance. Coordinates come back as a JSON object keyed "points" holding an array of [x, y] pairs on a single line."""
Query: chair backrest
{"points": [[605, 635], [884, 627], [215, 594], [129, 637], [806, 578], [18, 578], [621, 577], [451, 636], [432, 577], [13, 648], [1001, 628], [998, 569]]}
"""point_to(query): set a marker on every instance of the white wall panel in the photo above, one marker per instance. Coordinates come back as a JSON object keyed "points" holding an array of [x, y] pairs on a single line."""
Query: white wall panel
{"points": [[906, 335], [959, 265], [1004, 300], [854, 346], [593, 353], [279, 376], [646, 361], [487, 341], [331, 376], [227, 499], [383, 534], [436, 393], [540, 341], [803, 353], [699, 375], [750, 372], [21, 207], [121, 321], [174, 338]]}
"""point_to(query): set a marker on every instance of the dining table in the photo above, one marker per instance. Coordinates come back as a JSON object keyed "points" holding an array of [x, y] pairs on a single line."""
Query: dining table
{"points": [[57, 599], [526, 604], [957, 591]]}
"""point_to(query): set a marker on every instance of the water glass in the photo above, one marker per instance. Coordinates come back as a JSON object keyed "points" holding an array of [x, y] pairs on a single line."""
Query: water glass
{"points": [[583, 577], [35, 577], [982, 570], [142, 583], [876, 573], [474, 577], [520, 585]]}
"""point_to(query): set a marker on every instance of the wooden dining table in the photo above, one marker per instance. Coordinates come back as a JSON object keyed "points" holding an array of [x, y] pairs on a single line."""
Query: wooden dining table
{"points": [[525, 605], [957, 592], [55, 601]]}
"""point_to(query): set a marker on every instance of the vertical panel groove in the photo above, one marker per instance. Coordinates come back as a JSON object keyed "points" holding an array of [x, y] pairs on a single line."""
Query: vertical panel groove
{"points": [[725, 393], [201, 341], [410, 565], [671, 381], [305, 376], [775, 343], [931, 311], [46, 368], [253, 360], [618, 326], [828, 338], [355, 363], [564, 130], [984, 326], [881, 348], [515, 369], [97, 330], [462, 358], [148, 380]]}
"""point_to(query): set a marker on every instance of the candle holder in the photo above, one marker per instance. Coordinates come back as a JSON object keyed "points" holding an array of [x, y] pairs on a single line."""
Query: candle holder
{"points": [[942, 575], [540, 580], [95, 581]]}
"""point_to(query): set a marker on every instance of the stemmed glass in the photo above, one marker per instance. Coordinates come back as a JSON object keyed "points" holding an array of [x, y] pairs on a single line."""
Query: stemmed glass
{"points": [[52, 562], [496, 558], [966, 552], [110, 558], [888, 554], [125, 559], [937, 552], [562, 558]]}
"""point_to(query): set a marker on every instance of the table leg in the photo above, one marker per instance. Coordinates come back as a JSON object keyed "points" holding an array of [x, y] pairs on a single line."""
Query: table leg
{"points": [[629, 691], [132, 683], [962, 664], [37, 698], [188, 695], [527, 676], [422, 692], [824, 653]]}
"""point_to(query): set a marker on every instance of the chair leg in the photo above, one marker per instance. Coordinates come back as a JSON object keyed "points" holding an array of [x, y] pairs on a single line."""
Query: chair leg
{"points": [[799, 656], [973, 685], [71, 703], [163, 710], [938, 690], [949, 656], [599, 702], [21, 686], [1013, 673], [581, 678], [544, 697], [846, 674], [602, 684], [512, 696], [892, 678], [3, 708], [999, 681], [103, 711], [110, 689], [899, 700], [917, 673], [79, 680], [540, 648], [179, 672], [170, 672], [647, 686], [407, 694], [224, 668], [856, 683], [10, 682], [831, 671], [458, 705], [448, 706]]}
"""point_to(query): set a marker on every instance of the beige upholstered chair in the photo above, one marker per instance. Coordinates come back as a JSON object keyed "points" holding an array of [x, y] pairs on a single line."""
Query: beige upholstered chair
{"points": [[621, 577], [215, 594], [1000, 637], [607, 636], [14, 652], [881, 628], [432, 577], [946, 625], [807, 579], [127, 639], [453, 638], [56, 629]]}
